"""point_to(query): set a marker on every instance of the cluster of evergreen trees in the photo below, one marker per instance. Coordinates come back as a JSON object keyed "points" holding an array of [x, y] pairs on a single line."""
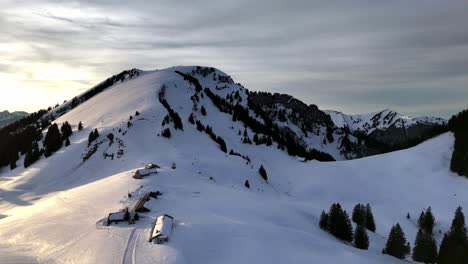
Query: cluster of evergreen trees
{"points": [[458, 124], [270, 129], [213, 136], [337, 222], [173, 114], [32, 155], [19, 137], [362, 215], [93, 135], [192, 80], [453, 248], [425, 246], [259, 140], [454, 245]]}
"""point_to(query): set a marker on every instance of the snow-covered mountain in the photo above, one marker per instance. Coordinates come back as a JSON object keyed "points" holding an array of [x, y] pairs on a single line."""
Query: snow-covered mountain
{"points": [[382, 120], [54, 211], [7, 118]]}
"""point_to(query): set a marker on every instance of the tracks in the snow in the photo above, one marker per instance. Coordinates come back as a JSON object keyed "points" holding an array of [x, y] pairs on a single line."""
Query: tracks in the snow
{"points": [[129, 254]]}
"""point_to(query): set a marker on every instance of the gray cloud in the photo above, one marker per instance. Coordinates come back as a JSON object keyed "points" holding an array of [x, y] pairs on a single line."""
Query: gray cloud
{"points": [[353, 56]]}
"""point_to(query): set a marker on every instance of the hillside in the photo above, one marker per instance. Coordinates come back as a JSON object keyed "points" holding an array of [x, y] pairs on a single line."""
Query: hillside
{"points": [[7, 118], [54, 210]]}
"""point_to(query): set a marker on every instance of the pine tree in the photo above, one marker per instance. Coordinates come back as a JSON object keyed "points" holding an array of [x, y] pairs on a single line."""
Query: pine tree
{"points": [[166, 133], [67, 142], [370, 223], [425, 247], [247, 184], [323, 223], [80, 126], [203, 110], [396, 243], [53, 140], [191, 119], [66, 130], [27, 159], [426, 220], [263, 173], [359, 214], [421, 218], [361, 239], [335, 211], [346, 229]]}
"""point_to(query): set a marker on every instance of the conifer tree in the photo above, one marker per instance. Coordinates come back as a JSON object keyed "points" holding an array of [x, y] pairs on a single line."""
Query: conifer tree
{"points": [[429, 220], [203, 110], [53, 140], [361, 239], [67, 142], [80, 126], [425, 248], [323, 223], [28, 158], [247, 184], [359, 214], [396, 243], [421, 218], [191, 119], [345, 227], [66, 130], [263, 173], [335, 211], [370, 223]]}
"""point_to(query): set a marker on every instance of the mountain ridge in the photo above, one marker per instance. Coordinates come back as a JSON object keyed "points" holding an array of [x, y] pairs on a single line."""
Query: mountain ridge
{"points": [[55, 209]]}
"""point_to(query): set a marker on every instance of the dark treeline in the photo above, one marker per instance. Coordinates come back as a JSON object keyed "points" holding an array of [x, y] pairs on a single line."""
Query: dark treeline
{"points": [[269, 129], [458, 124], [383, 147], [173, 114], [208, 130], [19, 137]]}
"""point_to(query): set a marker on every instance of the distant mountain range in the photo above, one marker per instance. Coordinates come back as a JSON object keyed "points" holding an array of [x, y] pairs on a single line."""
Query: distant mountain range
{"points": [[7, 118]]}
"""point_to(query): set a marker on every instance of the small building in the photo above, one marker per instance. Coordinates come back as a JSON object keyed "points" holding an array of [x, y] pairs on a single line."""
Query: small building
{"points": [[122, 216], [150, 168], [140, 204], [162, 229]]}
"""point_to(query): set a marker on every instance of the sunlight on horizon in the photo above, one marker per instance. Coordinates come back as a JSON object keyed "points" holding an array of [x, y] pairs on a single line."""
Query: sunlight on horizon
{"points": [[42, 85]]}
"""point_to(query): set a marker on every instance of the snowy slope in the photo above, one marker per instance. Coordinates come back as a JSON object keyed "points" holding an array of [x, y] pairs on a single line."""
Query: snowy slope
{"points": [[369, 122], [53, 211]]}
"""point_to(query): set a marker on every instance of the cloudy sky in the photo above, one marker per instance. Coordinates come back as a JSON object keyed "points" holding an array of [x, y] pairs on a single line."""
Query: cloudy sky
{"points": [[352, 56]]}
